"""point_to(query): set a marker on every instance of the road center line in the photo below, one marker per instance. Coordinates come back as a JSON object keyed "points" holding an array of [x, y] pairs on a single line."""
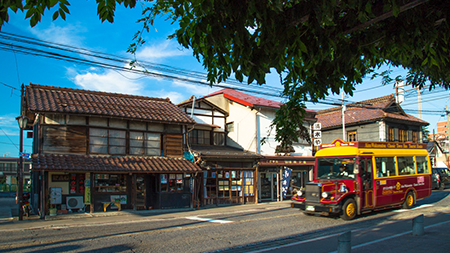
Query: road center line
{"points": [[208, 220]]}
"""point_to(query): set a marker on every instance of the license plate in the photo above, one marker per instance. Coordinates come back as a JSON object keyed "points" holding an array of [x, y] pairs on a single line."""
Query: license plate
{"points": [[310, 208]]}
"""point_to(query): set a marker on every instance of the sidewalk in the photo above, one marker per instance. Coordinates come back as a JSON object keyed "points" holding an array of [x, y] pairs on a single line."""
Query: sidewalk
{"points": [[395, 236]]}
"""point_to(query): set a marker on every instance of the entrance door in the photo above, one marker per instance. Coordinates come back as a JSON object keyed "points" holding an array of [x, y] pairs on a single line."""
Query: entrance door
{"points": [[366, 182], [268, 186], [140, 192]]}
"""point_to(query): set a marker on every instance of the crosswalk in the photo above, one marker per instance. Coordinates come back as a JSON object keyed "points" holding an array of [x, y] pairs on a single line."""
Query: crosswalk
{"points": [[208, 220]]}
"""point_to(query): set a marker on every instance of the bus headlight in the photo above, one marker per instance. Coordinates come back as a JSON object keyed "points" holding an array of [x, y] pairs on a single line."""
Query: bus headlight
{"points": [[325, 195]]}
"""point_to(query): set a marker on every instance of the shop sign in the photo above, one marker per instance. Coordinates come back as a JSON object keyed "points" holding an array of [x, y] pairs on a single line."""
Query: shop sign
{"points": [[286, 181], [60, 177], [87, 189]]}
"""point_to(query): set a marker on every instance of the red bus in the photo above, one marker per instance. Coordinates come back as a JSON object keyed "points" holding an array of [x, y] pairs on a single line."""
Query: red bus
{"points": [[354, 177]]}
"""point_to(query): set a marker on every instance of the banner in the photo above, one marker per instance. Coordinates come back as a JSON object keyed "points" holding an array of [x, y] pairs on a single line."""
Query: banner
{"points": [[286, 181]]}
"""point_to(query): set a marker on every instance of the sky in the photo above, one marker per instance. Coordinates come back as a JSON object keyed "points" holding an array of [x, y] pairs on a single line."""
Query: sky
{"points": [[83, 30]]}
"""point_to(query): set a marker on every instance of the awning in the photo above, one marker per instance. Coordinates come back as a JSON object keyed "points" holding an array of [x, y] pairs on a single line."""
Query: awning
{"points": [[288, 161], [105, 164]]}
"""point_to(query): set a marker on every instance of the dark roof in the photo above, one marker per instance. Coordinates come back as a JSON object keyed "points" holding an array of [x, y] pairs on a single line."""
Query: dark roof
{"points": [[104, 164], [248, 100], [366, 111], [41, 98], [223, 152]]}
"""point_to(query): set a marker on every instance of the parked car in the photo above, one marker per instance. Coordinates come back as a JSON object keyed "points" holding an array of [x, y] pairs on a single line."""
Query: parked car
{"points": [[440, 177]]}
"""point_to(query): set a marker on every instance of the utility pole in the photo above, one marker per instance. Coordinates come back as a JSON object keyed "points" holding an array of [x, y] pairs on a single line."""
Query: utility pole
{"points": [[448, 128], [344, 108], [419, 101]]}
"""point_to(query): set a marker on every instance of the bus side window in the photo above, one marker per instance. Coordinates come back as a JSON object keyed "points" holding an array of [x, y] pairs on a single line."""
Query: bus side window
{"points": [[422, 164], [385, 166]]}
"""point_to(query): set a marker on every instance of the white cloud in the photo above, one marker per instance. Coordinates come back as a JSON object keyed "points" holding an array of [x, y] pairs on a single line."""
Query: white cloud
{"points": [[175, 97], [108, 81], [197, 90], [165, 49], [9, 125], [68, 34]]}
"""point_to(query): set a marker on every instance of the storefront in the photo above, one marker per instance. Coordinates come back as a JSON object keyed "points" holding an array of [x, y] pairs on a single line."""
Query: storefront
{"points": [[273, 171], [104, 187]]}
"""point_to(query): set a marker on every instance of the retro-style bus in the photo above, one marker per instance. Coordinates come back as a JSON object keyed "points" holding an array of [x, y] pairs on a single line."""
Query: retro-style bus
{"points": [[354, 177]]}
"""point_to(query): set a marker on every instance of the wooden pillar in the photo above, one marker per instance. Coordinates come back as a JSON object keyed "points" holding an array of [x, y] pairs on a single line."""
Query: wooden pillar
{"points": [[134, 191]]}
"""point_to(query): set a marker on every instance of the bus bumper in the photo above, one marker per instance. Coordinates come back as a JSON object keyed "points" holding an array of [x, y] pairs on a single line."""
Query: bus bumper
{"points": [[317, 208]]}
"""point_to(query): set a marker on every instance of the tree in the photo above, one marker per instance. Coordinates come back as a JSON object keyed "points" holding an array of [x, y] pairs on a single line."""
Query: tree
{"points": [[316, 46]]}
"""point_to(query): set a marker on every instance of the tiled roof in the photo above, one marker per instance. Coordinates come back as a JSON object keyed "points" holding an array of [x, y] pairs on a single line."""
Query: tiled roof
{"points": [[223, 152], [365, 111], [246, 99], [133, 164], [41, 98]]}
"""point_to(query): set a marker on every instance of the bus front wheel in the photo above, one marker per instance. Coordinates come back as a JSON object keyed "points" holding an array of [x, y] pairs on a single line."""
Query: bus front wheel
{"points": [[409, 201], [349, 210]]}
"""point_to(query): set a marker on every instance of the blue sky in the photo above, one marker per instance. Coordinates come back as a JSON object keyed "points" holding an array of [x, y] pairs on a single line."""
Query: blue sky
{"points": [[82, 29]]}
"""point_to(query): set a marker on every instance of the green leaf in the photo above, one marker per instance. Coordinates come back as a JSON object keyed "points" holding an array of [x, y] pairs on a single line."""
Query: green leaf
{"points": [[55, 15]]}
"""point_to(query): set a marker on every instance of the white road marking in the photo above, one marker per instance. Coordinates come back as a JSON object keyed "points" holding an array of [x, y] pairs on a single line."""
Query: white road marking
{"points": [[208, 220], [405, 210]]}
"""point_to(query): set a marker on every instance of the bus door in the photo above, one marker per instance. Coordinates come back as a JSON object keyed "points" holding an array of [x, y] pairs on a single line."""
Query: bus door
{"points": [[365, 164]]}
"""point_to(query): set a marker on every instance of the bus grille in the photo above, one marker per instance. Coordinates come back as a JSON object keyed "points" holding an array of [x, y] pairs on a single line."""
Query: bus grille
{"points": [[312, 192]]}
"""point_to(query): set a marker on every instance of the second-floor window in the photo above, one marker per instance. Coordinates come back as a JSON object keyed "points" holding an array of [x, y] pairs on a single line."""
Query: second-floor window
{"points": [[391, 134], [352, 136], [414, 137], [200, 137], [145, 143], [107, 141], [402, 135]]}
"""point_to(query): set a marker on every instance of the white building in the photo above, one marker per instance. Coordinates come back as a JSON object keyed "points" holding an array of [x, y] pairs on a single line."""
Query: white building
{"points": [[245, 120]]}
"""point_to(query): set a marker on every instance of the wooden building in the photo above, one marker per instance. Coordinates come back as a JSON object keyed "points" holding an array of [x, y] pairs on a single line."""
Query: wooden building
{"points": [[93, 150]]}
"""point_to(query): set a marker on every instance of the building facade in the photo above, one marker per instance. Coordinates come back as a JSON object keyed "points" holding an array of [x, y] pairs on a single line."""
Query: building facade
{"points": [[93, 150], [245, 121], [378, 119]]}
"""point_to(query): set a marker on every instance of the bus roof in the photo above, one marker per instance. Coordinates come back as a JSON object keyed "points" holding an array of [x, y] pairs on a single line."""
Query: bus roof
{"points": [[339, 147]]}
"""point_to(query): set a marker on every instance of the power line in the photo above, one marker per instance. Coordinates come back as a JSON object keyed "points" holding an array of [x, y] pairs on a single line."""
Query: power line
{"points": [[9, 138], [188, 76]]}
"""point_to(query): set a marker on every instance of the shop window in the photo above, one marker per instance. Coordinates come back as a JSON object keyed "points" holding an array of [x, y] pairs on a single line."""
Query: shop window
{"points": [[105, 141], [172, 183], [248, 183], [145, 143], [236, 183], [200, 137], [76, 183], [110, 183], [210, 184]]}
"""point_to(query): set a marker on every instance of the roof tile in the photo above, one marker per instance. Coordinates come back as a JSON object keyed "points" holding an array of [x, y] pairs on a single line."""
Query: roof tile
{"points": [[41, 98], [84, 163]]}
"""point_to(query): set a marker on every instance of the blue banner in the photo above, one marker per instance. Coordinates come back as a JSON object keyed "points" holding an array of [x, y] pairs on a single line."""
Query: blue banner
{"points": [[286, 181]]}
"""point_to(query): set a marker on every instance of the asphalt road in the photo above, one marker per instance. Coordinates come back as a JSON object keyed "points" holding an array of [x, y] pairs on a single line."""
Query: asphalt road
{"points": [[233, 229]]}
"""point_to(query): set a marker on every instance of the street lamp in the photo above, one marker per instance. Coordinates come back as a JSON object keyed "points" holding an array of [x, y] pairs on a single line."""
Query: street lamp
{"points": [[23, 122]]}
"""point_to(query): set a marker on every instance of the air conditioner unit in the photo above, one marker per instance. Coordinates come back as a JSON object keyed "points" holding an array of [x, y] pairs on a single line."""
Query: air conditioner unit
{"points": [[75, 202]]}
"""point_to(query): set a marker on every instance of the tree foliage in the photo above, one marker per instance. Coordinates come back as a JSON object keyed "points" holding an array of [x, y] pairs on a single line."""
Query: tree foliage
{"points": [[316, 46], [34, 9]]}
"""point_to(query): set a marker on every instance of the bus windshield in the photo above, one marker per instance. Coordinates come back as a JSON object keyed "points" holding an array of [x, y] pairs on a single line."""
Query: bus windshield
{"points": [[336, 168]]}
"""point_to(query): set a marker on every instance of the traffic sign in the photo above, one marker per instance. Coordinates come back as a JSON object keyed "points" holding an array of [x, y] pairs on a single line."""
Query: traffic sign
{"points": [[25, 155]]}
